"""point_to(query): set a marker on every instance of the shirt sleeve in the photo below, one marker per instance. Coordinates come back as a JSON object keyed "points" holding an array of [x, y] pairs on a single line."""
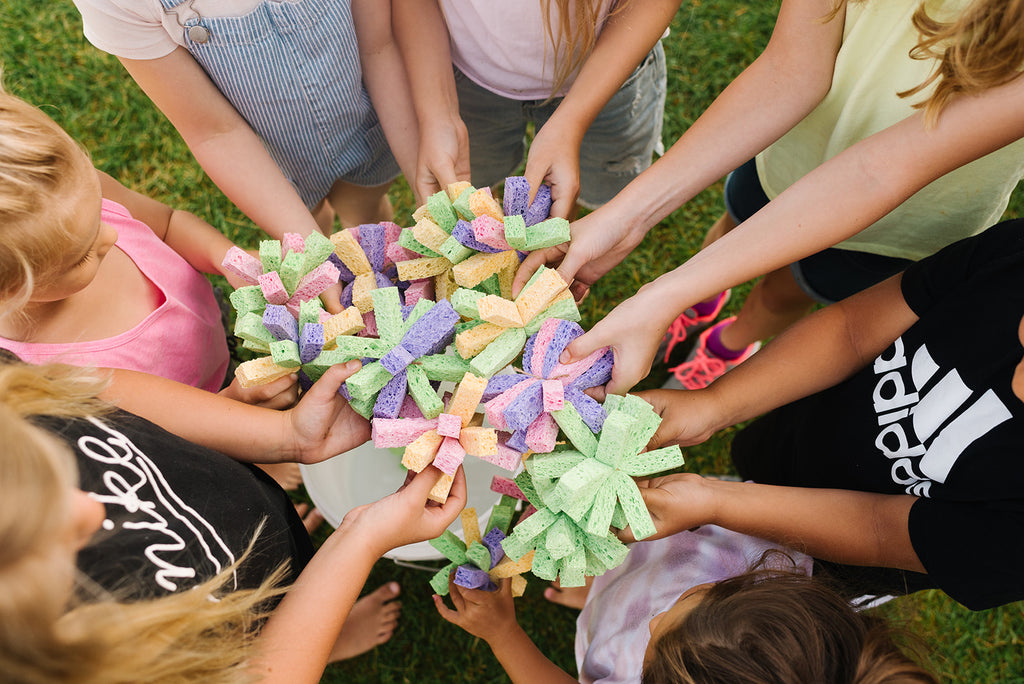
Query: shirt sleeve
{"points": [[971, 550], [948, 270], [135, 33]]}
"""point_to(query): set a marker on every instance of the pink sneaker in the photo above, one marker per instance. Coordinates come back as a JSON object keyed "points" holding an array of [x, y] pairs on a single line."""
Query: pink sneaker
{"points": [[688, 321], [702, 367]]}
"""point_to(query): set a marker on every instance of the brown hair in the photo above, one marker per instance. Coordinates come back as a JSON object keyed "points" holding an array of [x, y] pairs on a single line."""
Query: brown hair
{"points": [[774, 626], [39, 164]]}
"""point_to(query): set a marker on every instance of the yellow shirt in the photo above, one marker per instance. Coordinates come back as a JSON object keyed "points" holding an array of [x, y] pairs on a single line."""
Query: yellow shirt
{"points": [[873, 65]]}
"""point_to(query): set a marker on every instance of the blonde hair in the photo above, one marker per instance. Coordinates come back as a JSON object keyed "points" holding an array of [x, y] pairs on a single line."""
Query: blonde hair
{"points": [[983, 47], [574, 37], [204, 634], [39, 164]]}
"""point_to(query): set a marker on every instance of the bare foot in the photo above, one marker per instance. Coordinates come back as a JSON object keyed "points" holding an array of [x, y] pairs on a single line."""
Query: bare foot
{"points": [[573, 597], [370, 623], [287, 475]]}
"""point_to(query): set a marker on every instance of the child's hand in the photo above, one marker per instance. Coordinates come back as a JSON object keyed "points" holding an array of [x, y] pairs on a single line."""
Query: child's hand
{"points": [[633, 331], [280, 394], [676, 503], [599, 243], [443, 157], [488, 615], [331, 298], [688, 417], [407, 516], [323, 424], [554, 158]]}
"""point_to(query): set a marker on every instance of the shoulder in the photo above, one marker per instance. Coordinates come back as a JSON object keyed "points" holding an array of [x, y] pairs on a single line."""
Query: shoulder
{"points": [[993, 258], [133, 29]]}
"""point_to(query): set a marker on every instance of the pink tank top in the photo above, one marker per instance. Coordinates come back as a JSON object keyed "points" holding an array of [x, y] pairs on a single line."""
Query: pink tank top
{"points": [[181, 340]]}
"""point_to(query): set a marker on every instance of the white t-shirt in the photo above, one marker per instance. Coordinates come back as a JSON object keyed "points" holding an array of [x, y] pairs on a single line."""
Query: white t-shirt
{"points": [[142, 29], [503, 46]]}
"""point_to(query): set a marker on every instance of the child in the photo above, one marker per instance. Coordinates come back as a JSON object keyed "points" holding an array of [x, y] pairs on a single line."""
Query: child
{"points": [[589, 74], [823, 98], [270, 98], [772, 624], [146, 528], [94, 274], [890, 452]]}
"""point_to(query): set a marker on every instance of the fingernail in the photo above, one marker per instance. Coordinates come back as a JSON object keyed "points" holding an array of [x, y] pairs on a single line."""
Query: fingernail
{"points": [[564, 357], [353, 365]]}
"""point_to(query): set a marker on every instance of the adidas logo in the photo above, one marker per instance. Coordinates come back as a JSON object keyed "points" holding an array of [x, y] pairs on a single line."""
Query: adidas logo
{"points": [[924, 436]]}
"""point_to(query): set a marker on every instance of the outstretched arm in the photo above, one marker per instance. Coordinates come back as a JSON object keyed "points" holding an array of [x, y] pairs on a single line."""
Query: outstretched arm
{"points": [[491, 616], [877, 175], [814, 354], [296, 642], [223, 143], [320, 426], [624, 42], [854, 528], [386, 81], [772, 95], [422, 35], [818, 352]]}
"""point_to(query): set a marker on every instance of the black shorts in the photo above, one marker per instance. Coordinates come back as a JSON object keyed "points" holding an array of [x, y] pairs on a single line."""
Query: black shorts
{"points": [[831, 274]]}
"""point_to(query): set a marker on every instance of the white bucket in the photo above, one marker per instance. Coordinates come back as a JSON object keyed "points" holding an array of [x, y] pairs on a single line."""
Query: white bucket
{"points": [[365, 474]]}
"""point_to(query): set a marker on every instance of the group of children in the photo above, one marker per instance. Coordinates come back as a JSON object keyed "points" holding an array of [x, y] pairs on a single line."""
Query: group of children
{"points": [[877, 134]]}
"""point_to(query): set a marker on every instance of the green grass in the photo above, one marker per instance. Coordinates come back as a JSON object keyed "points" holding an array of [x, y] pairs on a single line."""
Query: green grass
{"points": [[48, 62]]}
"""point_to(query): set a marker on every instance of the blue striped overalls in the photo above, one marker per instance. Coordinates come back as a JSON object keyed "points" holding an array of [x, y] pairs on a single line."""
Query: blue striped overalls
{"points": [[292, 70]]}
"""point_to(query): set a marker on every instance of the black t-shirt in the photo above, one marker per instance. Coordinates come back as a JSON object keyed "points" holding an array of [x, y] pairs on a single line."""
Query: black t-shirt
{"points": [[177, 513], [933, 416]]}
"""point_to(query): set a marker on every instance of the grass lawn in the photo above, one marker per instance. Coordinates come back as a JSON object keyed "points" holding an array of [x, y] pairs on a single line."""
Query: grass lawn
{"points": [[46, 60]]}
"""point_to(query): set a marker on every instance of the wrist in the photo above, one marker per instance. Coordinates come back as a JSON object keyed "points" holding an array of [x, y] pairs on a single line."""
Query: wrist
{"points": [[717, 494], [287, 449], [359, 548], [506, 635]]}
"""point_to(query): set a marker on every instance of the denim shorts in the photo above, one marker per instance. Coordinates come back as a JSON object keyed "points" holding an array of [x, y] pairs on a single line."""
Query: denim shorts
{"points": [[616, 148], [831, 274]]}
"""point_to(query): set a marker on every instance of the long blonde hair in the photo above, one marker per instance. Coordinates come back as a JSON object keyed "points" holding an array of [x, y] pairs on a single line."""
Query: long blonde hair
{"points": [[983, 47], [205, 634], [39, 166], [574, 37]]}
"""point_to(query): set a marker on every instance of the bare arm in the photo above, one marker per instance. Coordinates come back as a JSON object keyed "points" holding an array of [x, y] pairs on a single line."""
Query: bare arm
{"points": [[877, 175], [297, 640], [624, 42], [491, 616], [422, 35], [772, 95], [823, 349], [386, 80], [814, 354], [320, 426], [854, 528], [223, 143]]}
